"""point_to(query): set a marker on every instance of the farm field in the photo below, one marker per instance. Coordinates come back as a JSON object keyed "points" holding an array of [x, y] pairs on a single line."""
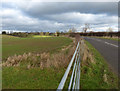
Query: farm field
{"points": [[22, 77], [14, 45]]}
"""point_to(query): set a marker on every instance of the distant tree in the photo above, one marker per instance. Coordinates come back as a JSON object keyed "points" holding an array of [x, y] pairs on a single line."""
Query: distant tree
{"points": [[109, 29], [73, 30], [57, 33], [23, 35], [70, 31], [41, 33], [47, 33], [3, 32], [37, 33], [108, 32], [15, 34], [86, 28]]}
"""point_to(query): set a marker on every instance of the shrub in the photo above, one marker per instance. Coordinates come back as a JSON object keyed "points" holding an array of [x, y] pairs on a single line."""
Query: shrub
{"points": [[71, 35], [57, 34], [3, 32], [20, 34]]}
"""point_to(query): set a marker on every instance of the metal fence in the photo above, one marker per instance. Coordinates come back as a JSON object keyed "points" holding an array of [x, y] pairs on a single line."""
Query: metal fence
{"points": [[75, 76]]}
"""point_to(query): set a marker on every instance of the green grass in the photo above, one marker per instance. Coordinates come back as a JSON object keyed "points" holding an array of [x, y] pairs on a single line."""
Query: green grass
{"points": [[22, 78], [116, 39], [37, 36], [92, 74], [15, 45], [34, 78]]}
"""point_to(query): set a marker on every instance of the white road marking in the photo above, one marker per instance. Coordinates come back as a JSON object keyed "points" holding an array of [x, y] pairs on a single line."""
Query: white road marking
{"points": [[111, 44], [105, 42]]}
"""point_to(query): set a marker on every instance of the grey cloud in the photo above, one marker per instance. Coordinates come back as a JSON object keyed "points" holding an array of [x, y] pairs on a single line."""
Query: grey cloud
{"points": [[37, 16], [79, 18], [39, 9]]}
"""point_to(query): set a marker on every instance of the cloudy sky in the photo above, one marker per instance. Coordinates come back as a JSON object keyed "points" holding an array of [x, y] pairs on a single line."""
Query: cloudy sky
{"points": [[51, 16]]}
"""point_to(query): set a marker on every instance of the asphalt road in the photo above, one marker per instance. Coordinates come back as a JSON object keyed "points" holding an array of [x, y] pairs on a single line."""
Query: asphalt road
{"points": [[108, 49]]}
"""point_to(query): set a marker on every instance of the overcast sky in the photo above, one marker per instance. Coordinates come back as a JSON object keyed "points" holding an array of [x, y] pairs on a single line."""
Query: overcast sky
{"points": [[52, 16]]}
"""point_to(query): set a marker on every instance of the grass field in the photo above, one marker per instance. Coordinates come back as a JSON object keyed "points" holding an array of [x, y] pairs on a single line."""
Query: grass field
{"points": [[35, 78], [92, 76], [15, 45]]}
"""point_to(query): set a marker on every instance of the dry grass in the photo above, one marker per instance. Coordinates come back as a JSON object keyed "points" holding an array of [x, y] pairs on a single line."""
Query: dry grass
{"points": [[42, 60], [86, 55]]}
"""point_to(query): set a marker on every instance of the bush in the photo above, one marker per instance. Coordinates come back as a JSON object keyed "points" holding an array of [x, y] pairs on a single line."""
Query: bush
{"points": [[57, 34], [23, 35], [71, 35], [3, 32], [20, 34]]}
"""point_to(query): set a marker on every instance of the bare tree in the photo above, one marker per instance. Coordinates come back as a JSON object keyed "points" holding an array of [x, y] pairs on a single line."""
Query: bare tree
{"points": [[110, 29], [74, 30], [70, 31], [86, 28]]}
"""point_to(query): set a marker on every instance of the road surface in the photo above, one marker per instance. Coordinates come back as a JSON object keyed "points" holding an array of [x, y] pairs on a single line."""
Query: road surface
{"points": [[108, 49]]}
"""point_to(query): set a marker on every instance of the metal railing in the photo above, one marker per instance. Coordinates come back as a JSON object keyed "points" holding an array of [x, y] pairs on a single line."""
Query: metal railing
{"points": [[75, 77]]}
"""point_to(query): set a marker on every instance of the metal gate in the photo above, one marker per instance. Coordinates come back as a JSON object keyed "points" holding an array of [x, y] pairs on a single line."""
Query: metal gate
{"points": [[75, 76]]}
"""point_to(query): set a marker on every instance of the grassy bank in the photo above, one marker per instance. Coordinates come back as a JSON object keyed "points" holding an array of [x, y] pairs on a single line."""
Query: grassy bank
{"points": [[97, 75], [116, 39]]}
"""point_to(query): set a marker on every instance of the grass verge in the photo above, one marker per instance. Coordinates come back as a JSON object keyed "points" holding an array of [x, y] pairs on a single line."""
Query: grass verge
{"points": [[116, 39], [35, 78], [98, 75]]}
